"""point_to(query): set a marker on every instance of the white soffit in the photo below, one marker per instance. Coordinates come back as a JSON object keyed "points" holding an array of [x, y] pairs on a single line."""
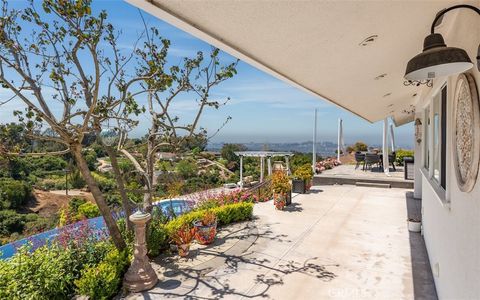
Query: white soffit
{"points": [[315, 45]]}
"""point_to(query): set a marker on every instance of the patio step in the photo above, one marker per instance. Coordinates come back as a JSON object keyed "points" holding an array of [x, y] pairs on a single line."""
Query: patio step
{"points": [[352, 180], [373, 184]]}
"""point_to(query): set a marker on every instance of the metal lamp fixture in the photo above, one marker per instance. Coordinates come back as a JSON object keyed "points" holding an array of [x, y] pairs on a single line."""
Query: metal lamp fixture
{"points": [[437, 59]]}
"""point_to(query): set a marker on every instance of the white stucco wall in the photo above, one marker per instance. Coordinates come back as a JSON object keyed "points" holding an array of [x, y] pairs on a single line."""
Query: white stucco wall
{"points": [[452, 225]]}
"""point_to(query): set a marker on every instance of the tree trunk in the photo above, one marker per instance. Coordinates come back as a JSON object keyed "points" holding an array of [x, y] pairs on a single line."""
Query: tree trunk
{"points": [[121, 187], [117, 239], [150, 167]]}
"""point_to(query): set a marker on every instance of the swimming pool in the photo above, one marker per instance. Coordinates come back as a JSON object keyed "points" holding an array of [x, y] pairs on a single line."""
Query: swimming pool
{"points": [[169, 207]]}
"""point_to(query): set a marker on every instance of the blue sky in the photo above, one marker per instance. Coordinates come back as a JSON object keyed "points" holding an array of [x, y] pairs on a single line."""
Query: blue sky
{"points": [[263, 108]]}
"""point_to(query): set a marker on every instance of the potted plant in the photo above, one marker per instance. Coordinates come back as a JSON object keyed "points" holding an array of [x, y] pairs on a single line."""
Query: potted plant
{"points": [[182, 238], [281, 189], [302, 178], [206, 228], [414, 224]]}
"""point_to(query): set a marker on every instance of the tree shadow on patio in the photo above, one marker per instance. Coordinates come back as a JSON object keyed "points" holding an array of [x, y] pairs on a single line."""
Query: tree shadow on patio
{"points": [[210, 281], [217, 278], [294, 207]]}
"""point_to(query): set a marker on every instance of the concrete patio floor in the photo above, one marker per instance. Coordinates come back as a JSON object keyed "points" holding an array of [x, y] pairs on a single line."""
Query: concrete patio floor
{"points": [[337, 242]]}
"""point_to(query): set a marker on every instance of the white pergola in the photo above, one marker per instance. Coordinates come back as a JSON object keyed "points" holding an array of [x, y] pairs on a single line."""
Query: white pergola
{"points": [[262, 155]]}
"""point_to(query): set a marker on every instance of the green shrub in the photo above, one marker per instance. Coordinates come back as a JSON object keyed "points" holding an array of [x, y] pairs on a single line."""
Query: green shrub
{"points": [[14, 193], [226, 214], [400, 154], [50, 272], [77, 180], [104, 183], [53, 182], [304, 172], [11, 221], [157, 238], [233, 212], [89, 210], [187, 168], [360, 146], [75, 203], [44, 274], [186, 219], [102, 281]]}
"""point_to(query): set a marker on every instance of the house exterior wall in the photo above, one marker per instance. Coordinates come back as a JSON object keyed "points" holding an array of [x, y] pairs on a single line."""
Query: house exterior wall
{"points": [[451, 218]]}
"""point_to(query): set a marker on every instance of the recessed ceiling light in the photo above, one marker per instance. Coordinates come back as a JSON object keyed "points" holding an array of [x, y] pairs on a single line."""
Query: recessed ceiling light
{"points": [[386, 95], [380, 76], [369, 40]]}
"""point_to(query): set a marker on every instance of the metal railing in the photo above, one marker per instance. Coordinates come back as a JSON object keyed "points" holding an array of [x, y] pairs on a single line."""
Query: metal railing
{"points": [[261, 189]]}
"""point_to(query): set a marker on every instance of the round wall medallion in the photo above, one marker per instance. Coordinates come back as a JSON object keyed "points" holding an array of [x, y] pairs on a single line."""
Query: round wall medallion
{"points": [[466, 144]]}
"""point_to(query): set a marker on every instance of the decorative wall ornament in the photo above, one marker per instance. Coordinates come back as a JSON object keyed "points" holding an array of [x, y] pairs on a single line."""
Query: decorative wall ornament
{"points": [[466, 143], [418, 130], [427, 82], [410, 110]]}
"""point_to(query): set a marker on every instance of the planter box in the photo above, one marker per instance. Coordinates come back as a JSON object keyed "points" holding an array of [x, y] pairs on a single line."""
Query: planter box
{"points": [[288, 198], [299, 186]]}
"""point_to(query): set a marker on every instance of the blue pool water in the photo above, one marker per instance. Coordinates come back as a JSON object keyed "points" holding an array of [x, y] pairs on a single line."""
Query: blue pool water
{"points": [[97, 224]]}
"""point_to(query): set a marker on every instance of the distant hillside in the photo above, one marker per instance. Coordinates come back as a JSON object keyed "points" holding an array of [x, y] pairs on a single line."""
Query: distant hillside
{"points": [[323, 148]]}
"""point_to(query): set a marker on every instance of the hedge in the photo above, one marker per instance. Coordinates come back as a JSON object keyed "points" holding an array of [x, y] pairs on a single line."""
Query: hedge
{"points": [[226, 214], [54, 272], [160, 234], [103, 281]]}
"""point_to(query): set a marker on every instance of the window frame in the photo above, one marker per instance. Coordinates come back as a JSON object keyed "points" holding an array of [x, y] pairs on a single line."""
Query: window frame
{"points": [[440, 184]]}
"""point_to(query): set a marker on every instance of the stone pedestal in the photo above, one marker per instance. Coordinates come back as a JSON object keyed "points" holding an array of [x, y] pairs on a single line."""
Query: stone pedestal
{"points": [[140, 276]]}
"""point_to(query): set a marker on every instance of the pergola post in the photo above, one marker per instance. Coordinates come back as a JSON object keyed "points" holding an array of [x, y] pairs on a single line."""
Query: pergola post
{"points": [[386, 167], [269, 162], [287, 162], [241, 171], [262, 167]]}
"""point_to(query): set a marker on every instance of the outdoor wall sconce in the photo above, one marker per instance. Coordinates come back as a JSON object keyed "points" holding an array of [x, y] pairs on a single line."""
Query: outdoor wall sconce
{"points": [[418, 130], [437, 59]]}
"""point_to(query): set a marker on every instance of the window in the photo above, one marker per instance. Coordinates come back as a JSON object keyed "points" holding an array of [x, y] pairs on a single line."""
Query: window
{"points": [[436, 144], [426, 147], [436, 165]]}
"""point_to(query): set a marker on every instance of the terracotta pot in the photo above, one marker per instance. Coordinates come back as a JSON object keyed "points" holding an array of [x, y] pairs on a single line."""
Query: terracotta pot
{"points": [[205, 234], [279, 201], [183, 250]]}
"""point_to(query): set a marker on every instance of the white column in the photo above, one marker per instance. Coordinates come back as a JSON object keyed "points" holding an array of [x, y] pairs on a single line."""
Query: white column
{"points": [[287, 162], [314, 150], [386, 168], [392, 137], [241, 171], [269, 162], [262, 167], [339, 139]]}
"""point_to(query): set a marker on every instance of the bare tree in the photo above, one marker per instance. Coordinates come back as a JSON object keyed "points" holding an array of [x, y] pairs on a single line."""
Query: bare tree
{"points": [[196, 76], [61, 55]]}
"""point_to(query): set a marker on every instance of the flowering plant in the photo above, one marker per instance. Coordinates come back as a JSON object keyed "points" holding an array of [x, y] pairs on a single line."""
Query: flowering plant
{"points": [[280, 183], [304, 173], [326, 164], [208, 218], [184, 235]]}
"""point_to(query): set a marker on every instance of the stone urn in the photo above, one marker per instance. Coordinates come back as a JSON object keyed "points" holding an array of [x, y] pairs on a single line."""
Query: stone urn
{"points": [[140, 275], [205, 234]]}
